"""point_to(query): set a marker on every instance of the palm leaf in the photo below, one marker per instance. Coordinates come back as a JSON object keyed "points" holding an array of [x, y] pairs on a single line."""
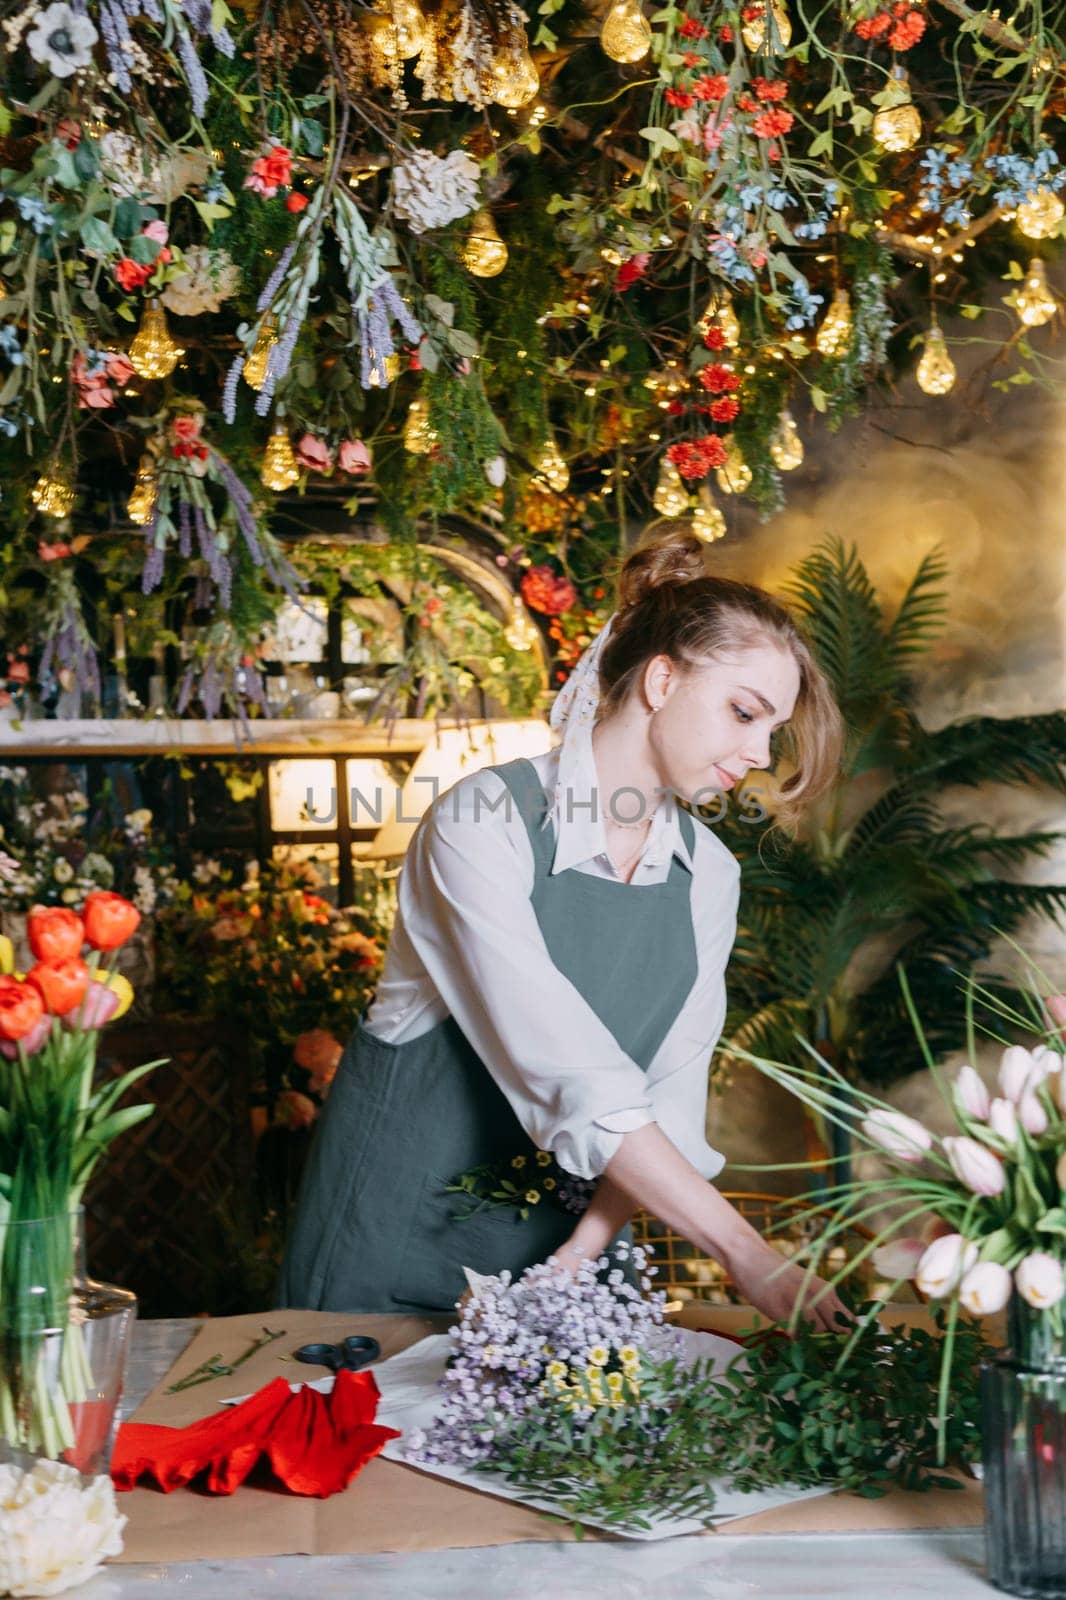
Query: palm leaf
{"points": [[922, 610], [992, 750]]}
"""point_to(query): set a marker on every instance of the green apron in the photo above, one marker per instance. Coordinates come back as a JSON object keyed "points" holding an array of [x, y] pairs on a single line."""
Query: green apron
{"points": [[376, 1229]]}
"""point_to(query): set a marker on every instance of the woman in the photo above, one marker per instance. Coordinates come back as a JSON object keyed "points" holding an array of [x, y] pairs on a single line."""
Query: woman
{"points": [[554, 980]]}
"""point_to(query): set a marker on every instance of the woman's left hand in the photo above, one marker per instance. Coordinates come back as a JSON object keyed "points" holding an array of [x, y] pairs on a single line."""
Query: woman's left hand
{"points": [[773, 1287]]}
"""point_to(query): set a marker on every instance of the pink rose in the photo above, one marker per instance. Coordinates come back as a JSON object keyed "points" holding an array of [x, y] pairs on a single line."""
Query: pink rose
{"points": [[187, 429], [119, 368], [353, 456], [314, 454], [156, 230]]}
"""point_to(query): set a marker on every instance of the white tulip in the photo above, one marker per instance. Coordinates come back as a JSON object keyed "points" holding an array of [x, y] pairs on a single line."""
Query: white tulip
{"points": [[1003, 1121], [898, 1135], [971, 1097], [1040, 1280], [1021, 1071], [943, 1264], [985, 1289], [1032, 1115]]}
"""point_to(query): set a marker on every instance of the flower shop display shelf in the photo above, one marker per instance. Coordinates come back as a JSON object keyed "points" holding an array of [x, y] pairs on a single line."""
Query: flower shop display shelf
{"points": [[115, 736], [394, 1507]]}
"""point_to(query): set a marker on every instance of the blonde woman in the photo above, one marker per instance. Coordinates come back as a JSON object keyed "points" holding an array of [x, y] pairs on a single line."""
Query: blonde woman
{"points": [[555, 978]]}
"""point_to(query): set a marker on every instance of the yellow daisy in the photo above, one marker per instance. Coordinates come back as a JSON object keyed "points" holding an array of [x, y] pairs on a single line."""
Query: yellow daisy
{"points": [[518, 1162], [599, 1355], [544, 1158]]}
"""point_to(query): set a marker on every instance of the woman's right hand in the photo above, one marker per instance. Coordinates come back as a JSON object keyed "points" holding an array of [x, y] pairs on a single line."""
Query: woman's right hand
{"points": [[772, 1285]]}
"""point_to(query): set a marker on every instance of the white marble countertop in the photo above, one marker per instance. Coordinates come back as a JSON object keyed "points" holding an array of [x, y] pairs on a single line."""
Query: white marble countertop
{"points": [[919, 1566]]}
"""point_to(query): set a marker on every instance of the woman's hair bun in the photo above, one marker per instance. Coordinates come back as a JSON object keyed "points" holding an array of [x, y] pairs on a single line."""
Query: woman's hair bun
{"points": [[671, 559]]}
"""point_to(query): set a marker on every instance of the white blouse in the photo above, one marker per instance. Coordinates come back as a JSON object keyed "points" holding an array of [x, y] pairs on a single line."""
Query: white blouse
{"points": [[467, 943]]}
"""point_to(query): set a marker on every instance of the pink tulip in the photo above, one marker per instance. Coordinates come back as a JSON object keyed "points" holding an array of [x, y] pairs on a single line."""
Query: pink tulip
{"points": [[1056, 1005], [31, 1042], [1020, 1072], [971, 1096], [899, 1258], [943, 1263], [96, 1010], [979, 1169], [898, 1135], [1040, 1280], [1003, 1121], [353, 457], [1032, 1115], [985, 1289]]}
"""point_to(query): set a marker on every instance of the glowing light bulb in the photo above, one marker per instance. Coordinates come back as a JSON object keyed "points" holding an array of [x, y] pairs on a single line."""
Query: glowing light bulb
{"points": [[626, 33], [898, 125], [708, 523], [280, 469], [1040, 213], [770, 39], [550, 466], [720, 314], [734, 475], [512, 79], [53, 494], [153, 353], [671, 497], [936, 370], [257, 364], [410, 26], [1034, 301], [521, 631], [418, 437], [140, 507], [786, 446], [483, 252], [834, 334]]}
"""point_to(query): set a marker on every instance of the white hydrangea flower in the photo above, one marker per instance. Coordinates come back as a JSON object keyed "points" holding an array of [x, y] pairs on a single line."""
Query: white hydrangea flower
{"points": [[56, 1529], [207, 278], [61, 40], [429, 191]]}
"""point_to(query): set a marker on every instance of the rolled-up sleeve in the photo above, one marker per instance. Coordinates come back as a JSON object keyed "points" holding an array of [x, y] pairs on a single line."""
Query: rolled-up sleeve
{"points": [[465, 901]]}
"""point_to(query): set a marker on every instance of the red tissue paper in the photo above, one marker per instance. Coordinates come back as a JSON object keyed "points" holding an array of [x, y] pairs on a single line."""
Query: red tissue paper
{"points": [[314, 1443]]}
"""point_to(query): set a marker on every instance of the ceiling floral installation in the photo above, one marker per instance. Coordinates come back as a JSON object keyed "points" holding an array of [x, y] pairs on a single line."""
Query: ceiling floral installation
{"points": [[533, 277]]}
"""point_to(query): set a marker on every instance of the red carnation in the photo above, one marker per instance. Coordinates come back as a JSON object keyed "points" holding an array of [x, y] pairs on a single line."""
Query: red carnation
{"points": [[692, 29], [691, 58], [725, 409], [874, 27], [910, 25], [130, 274], [680, 98], [544, 591], [770, 124], [717, 379], [631, 271], [296, 202], [713, 86], [694, 458], [770, 88], [714, 339]]}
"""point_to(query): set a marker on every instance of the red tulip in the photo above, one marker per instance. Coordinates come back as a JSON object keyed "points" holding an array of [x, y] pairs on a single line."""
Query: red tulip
{"points": [[62, 983], [56, 933], [21, 1008], [109, 919]]}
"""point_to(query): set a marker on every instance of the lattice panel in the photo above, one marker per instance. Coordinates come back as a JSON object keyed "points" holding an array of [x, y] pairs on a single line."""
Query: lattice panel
{"points": [[173, 1196]]}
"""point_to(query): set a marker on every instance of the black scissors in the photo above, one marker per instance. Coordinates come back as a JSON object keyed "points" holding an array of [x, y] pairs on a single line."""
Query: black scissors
{"points": [[348, 1355]]}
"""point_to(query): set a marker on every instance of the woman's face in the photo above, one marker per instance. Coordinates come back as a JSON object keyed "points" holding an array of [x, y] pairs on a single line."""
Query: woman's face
{"points": [[713, 720]]}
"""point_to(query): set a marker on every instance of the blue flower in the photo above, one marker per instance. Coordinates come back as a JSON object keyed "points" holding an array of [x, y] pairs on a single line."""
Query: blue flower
{"points": [[958, 214], [9, 344], [32, 209], [8, 428]]}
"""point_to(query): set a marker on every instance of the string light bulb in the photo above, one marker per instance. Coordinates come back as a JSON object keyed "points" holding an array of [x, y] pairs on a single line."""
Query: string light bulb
{"points": [[734, 475], [410, 28], [483, 252], [418, 437], [773, 39], [1034, 301], [708, 523], [258, 362], [153, 353], [670, 498], [140, 507], [834, 333], [897, 126], [550, 466], [786, 446], [721, 315], [512, 79], [53, 494], [521, 631], [626, 32], [1040, 213], [936, 371], [280, 468]]}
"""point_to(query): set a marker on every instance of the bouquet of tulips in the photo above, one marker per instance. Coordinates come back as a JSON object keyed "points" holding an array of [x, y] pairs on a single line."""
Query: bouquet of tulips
{"points": [[54, 1126], [977, 1217]]}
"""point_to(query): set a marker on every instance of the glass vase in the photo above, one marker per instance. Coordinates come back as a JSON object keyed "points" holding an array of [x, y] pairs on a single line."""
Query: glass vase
{"points": [[1023, 1399], [64, 1339]]}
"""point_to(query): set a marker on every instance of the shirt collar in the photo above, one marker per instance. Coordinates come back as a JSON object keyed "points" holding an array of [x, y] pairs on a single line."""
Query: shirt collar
{"points": [[579, 806]]}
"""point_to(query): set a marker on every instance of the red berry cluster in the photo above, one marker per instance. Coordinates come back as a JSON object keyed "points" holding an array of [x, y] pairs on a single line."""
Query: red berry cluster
{"points": [[900, 27], [694, 458]]}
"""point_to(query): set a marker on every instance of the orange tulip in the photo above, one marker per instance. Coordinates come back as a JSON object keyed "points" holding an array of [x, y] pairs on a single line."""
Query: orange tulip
{"points": [[56, 933], [21, 1008], [109, 919], [62, 983]]}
